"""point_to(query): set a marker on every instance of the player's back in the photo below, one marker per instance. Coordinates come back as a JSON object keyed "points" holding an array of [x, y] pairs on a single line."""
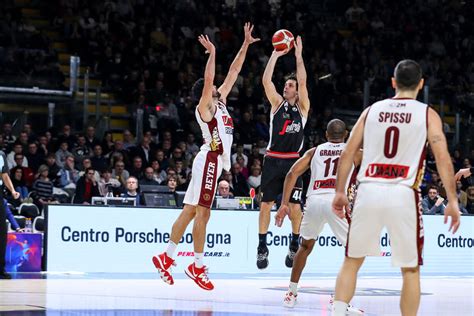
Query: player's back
{"points": [[395, 136], [324, 168]]}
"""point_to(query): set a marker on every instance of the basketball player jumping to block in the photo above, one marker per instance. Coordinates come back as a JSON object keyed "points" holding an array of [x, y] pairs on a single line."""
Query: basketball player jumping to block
{"points": [[217, 130], [394, 133], [322, 161], [287, 120]]}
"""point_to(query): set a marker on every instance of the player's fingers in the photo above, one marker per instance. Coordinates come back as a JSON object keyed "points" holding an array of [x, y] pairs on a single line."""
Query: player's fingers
{"points": [[456, 226], [445, 217]]}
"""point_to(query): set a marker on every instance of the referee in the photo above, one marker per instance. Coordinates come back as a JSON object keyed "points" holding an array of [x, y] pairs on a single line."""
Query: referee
{"points": [[4, 181]]}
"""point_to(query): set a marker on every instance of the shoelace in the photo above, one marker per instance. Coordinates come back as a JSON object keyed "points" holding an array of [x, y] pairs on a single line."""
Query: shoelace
{"points": [[261, 256], [203, 276], [291, 254]]}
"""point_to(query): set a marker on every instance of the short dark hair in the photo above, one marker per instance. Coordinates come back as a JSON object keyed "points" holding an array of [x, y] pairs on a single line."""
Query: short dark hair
{"points": [[292, 76], [336, 129], [433, 187], [196, 90], [407, 74]]}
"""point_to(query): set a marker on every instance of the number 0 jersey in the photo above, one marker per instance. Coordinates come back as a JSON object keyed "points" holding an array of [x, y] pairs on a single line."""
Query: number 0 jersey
{"points": [[395, 138]]}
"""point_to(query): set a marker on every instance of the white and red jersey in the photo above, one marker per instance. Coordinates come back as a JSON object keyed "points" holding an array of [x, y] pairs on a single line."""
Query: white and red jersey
{"points": [[324, 168], [395, 137], [218, 133]]}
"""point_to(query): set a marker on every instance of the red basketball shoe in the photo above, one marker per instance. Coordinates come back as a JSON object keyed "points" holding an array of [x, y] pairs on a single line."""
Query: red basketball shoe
{"points": [[163, 263], [199, 275]]}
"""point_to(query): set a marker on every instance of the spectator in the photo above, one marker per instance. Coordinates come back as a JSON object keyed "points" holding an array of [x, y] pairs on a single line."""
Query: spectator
{"points": [[44, 147], [137, 168], [148, 178], [243, 167], [34, 156], [8, 136], [191, 147], [172, 183], [433, 203], [81, 150], [67, 137], [18, 181], [132, 190], [159, 175], [68, 175], [120, 173], [43, 188], [128, 140], [107, 144], [239, 183], [86, 163], [91, 140], [86, 188], [62, 153], [108, 184], [28, 174], [144, 150], [470, 200], [240, 153], [160, 157], [223, 190], [17, 149], [53, 168], [98, 161], [255, 177]]}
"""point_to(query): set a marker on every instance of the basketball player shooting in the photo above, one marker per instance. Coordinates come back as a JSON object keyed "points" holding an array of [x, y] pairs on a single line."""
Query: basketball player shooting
{"points": [[217, 131], [394, 134], [287, 120]]}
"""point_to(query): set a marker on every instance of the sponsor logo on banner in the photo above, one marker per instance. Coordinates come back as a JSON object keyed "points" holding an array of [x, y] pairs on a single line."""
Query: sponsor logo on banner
{"points": [[119, 239]]}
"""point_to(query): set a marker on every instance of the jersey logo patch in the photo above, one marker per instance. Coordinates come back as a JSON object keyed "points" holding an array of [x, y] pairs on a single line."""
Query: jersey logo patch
{"points": [[324, 184], [387, 171]]}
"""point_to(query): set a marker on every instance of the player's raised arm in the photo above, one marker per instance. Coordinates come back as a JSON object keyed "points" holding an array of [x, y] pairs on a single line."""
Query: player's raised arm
{"points": [[273, 96], [303, 99], [205, 103], [236, 65], [345, 165], [438, 144], [300, 167]]}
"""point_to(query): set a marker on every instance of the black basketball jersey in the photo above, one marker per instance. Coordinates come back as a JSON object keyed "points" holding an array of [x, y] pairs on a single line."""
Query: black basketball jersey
{"points": [[286, 131]]}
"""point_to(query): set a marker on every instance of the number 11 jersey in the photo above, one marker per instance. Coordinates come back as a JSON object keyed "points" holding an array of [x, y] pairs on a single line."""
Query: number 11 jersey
{"points": [[394, 145], [324, 168]]}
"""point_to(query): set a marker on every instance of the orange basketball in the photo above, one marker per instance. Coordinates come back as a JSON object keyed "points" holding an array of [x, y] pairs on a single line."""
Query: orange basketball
{"points": [[283, 39]]}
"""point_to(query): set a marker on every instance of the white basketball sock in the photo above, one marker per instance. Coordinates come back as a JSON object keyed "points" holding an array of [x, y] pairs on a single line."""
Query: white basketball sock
{"points": [[339, 308], [171, 249], [198, 259], [294, 288]]}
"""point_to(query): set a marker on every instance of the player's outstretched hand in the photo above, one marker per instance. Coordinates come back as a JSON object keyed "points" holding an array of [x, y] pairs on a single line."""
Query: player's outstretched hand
{"points": [[249, 39], [279, 53], [280, 214], [298, 46], [339, 204], [462, 173], [452, 210], [206, 42]]}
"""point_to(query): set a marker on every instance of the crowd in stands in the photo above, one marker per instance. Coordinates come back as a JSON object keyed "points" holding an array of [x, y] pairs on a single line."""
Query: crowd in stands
{"points": [[147, 52], [72, 168]]}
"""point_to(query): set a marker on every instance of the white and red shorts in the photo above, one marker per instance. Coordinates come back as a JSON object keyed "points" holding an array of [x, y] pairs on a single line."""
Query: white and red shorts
{"points": [[396, 207], [207, 168], [318, 212]]}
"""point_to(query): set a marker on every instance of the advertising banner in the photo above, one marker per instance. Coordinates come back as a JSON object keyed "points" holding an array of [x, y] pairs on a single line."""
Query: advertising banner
{"points": [[120, 239]]}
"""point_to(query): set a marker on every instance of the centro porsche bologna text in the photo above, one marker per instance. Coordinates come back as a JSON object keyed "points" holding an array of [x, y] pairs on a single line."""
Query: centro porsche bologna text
{"points": [[122, 235]]}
